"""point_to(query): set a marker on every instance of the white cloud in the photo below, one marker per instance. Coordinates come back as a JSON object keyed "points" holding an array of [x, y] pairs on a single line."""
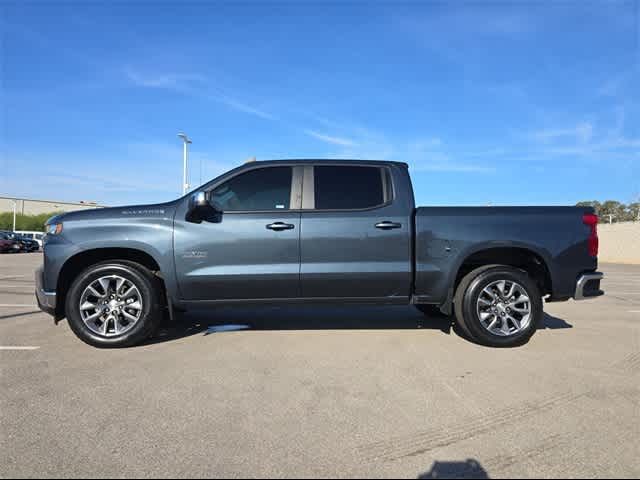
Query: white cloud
{"points": [[428, 143], [582, 132], [243, 107], [440, 159], [125, 175], [423, 154], [583, 141], [344, 142], [195, 85], [172, 81], [607, 149]]}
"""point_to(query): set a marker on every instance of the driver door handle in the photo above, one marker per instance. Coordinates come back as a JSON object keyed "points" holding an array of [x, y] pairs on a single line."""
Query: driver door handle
{"points": [[277, 226], [386, 225]]}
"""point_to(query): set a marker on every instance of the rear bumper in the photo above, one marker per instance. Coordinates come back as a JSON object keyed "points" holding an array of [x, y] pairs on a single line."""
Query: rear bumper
{"points": [[588, 286], [46, 300]]}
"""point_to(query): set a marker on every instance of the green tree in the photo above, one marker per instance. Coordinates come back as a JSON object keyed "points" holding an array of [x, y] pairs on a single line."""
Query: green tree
{"points": [[591, 203], [612, 211], [24, 222], [632, 212], [619, 211]]}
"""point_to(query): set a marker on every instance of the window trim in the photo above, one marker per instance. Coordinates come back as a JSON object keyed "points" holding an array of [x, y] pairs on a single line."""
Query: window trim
{"points": [[306, 192], [295, 186]]}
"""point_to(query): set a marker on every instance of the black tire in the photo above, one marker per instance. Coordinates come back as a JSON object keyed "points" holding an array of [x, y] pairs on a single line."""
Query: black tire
{"points": [[430, 310], [152, 306], [469, 290]]}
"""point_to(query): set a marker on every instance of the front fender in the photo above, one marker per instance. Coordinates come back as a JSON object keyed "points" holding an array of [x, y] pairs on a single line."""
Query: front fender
{"points": [[152, 236]]}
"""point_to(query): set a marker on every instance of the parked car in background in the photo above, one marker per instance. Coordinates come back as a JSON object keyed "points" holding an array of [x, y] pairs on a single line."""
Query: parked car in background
{"points": [[26, 244], [31, 234], [318, 231], [8, 244], [30, 245]]}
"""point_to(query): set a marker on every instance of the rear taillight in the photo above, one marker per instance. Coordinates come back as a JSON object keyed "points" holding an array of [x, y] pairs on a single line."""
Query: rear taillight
{"points": [[591, 220]]}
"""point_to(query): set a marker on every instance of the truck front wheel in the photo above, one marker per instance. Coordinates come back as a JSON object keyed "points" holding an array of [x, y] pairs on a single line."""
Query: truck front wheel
{"points": [[116, 303], [498, 306]]}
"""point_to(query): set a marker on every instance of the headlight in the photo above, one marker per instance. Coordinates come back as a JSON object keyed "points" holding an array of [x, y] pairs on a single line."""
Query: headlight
{"points": [[54, 228]]}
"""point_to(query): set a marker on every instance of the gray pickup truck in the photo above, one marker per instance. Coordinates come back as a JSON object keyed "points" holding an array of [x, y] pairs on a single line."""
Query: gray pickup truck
{"points": [[314, 231]]}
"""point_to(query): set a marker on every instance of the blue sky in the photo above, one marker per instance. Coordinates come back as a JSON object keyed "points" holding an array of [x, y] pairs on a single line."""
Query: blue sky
{"points": [[523, 103]]}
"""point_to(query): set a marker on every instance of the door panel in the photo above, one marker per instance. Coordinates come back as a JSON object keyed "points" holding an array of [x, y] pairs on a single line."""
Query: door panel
{"points": [[239, 257], [251, 250], [364, 253], [345, 255]]}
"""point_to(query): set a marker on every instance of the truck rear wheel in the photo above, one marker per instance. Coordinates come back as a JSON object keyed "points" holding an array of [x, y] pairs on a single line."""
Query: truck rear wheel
{"points": [[116, 303], [498, 306]]}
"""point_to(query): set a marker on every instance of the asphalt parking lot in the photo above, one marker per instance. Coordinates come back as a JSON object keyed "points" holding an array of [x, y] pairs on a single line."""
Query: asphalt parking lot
{"points": [[322, 391]]}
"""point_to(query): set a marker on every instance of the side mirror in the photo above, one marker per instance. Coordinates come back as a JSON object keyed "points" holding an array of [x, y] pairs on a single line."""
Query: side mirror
{"points": [[198, 200], [201, 207]]}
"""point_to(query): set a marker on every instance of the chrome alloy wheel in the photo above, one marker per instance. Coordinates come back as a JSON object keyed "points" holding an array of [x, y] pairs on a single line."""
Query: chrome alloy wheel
{"points": [[504, 308], [110, 305]]}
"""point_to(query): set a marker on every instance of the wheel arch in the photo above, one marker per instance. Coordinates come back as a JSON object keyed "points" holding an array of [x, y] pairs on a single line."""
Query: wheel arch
{"points": [[526, 258], [75, 264]]}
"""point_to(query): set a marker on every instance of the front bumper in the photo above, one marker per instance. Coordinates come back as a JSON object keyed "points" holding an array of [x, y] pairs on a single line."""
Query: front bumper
{"points": [[588, 286], [46, 300]]}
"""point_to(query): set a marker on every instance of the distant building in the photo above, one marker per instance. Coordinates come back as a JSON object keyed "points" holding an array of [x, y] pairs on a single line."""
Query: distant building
{"points": [[29, 206]]}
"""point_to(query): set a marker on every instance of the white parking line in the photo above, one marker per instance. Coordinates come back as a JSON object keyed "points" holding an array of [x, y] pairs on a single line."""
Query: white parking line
{"points": [[620, 274], [19, 348], [17, 286], [6, 277], [634, 311], [17, 305]]}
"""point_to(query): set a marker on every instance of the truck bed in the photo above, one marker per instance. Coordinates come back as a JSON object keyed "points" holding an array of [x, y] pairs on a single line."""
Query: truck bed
{"points": [[448, 236]]}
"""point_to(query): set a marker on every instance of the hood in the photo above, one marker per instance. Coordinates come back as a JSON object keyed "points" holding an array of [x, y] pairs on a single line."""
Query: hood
{"points": [[160, 210]]}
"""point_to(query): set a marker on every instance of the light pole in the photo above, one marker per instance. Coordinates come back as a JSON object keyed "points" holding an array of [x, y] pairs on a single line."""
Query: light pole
{"points": [[15, 205], [185, 142]]}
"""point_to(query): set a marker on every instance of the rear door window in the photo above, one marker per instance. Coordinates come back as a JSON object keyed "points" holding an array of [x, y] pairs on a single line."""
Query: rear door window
{"points": [[345, 187]]}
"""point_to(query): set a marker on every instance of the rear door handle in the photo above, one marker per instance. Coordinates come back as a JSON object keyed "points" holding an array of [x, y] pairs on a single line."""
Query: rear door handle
{"points": [[277, 226], [386, 225]]}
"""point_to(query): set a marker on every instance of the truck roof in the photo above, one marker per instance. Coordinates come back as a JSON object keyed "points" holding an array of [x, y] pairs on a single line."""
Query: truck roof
{"points": [[330, 161]]}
